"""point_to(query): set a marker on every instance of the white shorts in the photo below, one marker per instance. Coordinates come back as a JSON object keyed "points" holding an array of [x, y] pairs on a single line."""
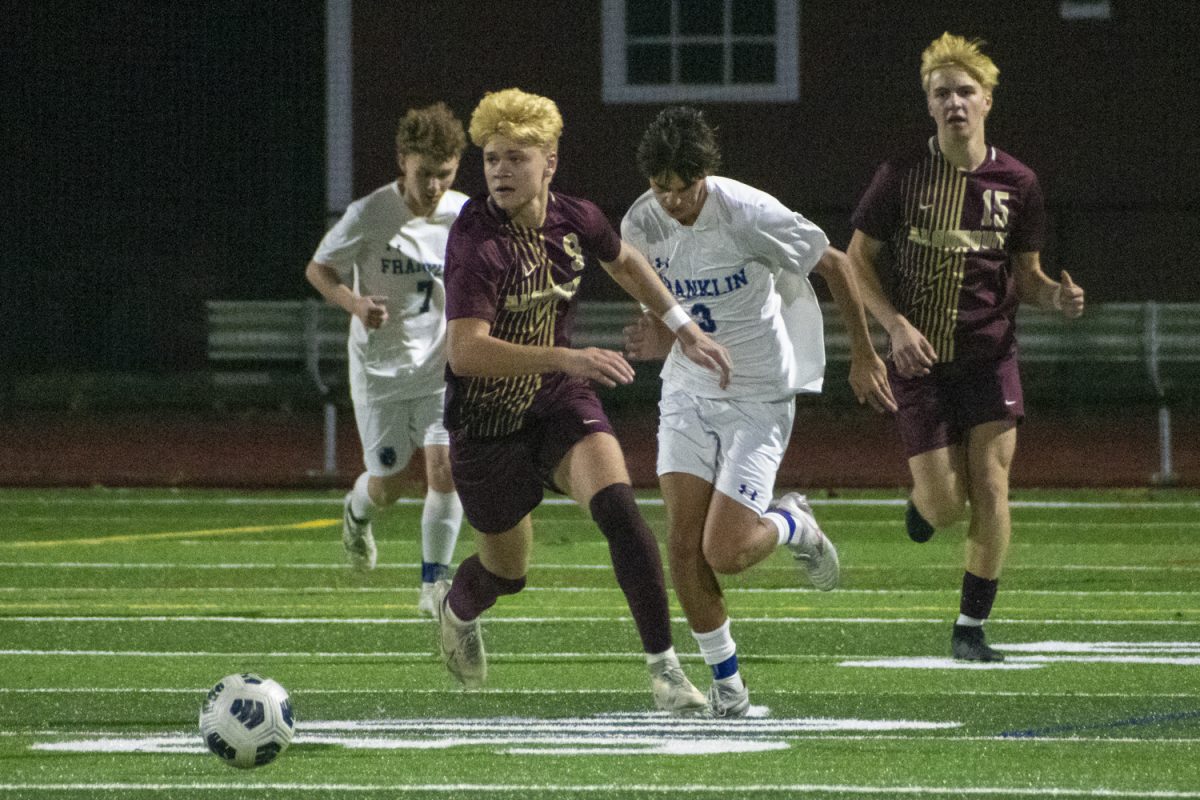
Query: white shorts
{"points": [[390, 431], [736, 445]]}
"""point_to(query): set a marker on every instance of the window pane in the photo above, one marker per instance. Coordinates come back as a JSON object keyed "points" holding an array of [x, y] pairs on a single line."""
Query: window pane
{"points": [[647, 17], [701, 63], [754, 63], [754, 17], [702, 17], [648, 64]]}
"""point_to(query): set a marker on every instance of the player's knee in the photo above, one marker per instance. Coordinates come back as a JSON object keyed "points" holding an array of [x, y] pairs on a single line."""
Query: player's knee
{"points": [[726, 558], [387, 489], [615, 510], [941, 511]]}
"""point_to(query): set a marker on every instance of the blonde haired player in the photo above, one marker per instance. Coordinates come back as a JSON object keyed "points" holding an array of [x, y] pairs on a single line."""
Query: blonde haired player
{"points": [[521, 411], [383, 262], [961, 224]]}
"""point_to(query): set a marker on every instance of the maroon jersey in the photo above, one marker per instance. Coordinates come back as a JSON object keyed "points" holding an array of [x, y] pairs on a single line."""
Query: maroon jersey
{"points": [[950, 235], [523, 281]]}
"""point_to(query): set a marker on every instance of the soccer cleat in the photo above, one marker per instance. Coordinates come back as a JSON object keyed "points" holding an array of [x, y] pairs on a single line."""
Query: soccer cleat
{"points": [[919, 529], [967, 644], [673, 692], [460, 643], [358, 540], [810, 546], [726, 700], [427, 600]]}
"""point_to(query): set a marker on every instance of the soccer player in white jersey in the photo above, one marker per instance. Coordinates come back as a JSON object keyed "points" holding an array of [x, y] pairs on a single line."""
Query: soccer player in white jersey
{"points": [[738, 261], [383, 263]]}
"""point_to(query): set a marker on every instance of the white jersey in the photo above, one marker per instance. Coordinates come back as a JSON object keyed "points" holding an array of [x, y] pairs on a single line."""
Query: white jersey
{"points": [[741, 271], [380, 248]]}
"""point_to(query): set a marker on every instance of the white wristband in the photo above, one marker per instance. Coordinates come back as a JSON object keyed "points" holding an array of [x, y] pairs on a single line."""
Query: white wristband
{"points": [[675, 318]]}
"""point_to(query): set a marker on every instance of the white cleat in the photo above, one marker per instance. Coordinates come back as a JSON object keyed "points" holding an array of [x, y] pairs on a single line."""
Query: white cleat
{"points": [[728, 700], [460, 643], [811, 547], [427, 601], [358, 540], [673, 692]]}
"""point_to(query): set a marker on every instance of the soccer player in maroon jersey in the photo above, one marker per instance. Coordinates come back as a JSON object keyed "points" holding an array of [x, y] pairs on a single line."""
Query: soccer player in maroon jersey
{"points": [[520, 409], [960, 224]]}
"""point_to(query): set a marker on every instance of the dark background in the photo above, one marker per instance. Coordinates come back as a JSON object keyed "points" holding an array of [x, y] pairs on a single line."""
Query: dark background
{"points": [[162, 154]]}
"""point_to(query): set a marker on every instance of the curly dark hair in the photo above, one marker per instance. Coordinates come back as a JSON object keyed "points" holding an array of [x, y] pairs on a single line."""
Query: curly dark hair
{"points": [[679, 141], [431, 131]]}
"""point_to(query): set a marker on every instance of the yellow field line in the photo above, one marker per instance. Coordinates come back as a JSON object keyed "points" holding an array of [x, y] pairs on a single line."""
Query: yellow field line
{"points": [[141, 537]]}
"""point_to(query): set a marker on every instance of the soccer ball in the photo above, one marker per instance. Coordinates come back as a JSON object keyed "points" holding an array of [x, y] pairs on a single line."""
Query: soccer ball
{"points": [[247, 720]]}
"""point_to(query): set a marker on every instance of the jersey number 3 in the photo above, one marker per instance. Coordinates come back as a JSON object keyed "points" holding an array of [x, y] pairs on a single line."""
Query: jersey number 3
{"points": [[703, 317]]}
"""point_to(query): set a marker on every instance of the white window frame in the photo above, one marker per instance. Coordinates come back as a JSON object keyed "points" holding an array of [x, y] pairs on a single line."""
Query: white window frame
{"points": [[785, 89]]}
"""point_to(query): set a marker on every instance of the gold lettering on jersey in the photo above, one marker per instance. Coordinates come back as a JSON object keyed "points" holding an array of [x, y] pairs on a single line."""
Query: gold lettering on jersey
{"points": [[957, 241], [572, 248], [555, 291]]}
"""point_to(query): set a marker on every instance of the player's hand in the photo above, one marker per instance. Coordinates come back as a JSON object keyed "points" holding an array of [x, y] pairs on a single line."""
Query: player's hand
{"points": [[1069, 297], [912, 353], [647, 339], [868, 379], [702, 350], [372, 310], [605, 367]]}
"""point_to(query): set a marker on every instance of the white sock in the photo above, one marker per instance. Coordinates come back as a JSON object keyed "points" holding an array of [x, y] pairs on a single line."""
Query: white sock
{"points": [[969, 622], [781, 525], [716, 646], [440, 523], [658, 658], [361, 504]]}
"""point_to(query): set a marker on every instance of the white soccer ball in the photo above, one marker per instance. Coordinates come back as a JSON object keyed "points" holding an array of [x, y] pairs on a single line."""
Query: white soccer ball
{"points": [[247, 720]]}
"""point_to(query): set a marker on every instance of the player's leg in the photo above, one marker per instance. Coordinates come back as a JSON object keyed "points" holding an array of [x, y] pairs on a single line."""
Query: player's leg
{"points": [[499, 485], [593, 472], [939, 495], [990, 449], [383, 430], [497, 569], [441, 517]]}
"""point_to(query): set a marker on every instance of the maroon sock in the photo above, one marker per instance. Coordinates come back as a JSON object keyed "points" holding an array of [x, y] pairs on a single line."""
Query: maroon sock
{"points": [[636, 562], [978, 594], [475, 589]]}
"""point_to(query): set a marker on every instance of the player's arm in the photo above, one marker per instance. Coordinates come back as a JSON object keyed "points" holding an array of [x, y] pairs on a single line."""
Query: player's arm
{"points": [[473, 352], [868, 375], [911, 352], [635, 275], [647, 339], [1035, 287], [371, 309]]}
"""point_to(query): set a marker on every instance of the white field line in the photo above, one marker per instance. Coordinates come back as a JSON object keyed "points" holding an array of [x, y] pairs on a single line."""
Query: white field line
{"points": [[392, 590], [454, 691], [560, 620], [236, 788], [897, 502], [339, 567]]}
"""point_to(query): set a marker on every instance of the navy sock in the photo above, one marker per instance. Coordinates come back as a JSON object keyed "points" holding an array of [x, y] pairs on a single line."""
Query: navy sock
{"points": [[636, 563], [978, 594], [432, 572], [919, 529], [475, 589], [726, 668]]}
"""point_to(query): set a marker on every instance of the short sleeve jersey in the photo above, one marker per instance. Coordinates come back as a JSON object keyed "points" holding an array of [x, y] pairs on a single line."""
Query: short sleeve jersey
{"points": [[950, 235], [380, 248], [741, 271], [522, 281]]}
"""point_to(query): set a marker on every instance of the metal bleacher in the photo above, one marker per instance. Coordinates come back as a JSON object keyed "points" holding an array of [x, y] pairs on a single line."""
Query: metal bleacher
{"points": [[1117, 352]]}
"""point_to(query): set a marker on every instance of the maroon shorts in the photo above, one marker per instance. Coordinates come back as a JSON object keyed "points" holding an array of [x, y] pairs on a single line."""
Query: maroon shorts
{"points": [[937, 410], [503, 478]]}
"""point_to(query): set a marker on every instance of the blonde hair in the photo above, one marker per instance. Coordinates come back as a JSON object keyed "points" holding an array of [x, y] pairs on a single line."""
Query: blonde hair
{"points": [[955, 51], [528, 119]]}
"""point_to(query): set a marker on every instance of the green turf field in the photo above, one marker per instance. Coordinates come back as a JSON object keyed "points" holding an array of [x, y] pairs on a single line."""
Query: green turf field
{"points": [[118, 609]]}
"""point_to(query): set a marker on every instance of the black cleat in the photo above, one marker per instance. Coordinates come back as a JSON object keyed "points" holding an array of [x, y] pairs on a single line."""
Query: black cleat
{"points": [[967, 644], [919, 529]]}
